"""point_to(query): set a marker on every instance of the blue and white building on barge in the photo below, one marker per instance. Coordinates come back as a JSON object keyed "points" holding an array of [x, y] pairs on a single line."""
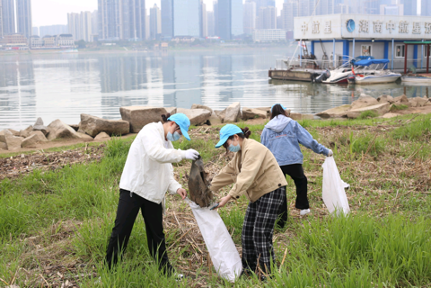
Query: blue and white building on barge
{"points": [[351, 35]]}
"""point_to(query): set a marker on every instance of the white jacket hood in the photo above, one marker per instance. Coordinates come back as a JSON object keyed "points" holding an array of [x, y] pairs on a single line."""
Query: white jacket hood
{"points": [[278, 123]]}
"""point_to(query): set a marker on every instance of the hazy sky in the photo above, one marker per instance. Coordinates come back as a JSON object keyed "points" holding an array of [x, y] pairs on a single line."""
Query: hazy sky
{"points": [[50, 12]]}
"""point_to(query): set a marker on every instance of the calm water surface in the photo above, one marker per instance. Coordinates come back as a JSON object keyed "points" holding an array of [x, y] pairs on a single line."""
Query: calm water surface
{"points": [[65, 85]]}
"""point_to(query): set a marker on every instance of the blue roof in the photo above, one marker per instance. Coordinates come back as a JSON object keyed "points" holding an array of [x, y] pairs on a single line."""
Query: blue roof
{"points": [[368, 62]]}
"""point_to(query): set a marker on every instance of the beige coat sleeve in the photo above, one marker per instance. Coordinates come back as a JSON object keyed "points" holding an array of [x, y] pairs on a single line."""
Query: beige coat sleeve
{"points": [[225, 177], [249, 170]]}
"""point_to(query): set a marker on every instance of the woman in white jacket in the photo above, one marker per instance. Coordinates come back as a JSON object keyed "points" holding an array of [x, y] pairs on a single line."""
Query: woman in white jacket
{"points": [[147, 175]]}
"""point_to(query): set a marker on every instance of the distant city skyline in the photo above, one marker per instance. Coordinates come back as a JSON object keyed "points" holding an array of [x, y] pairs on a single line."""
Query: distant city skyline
{"points": [[45, 17]]}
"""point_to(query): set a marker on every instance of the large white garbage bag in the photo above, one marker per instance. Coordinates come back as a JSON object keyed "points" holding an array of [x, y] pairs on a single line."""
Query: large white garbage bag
{"points": [[224, 255], [333, 193]]}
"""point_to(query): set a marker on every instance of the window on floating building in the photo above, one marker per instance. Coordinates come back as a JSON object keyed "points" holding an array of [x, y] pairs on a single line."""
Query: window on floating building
{"points": [[366, 50], [399, 51]]}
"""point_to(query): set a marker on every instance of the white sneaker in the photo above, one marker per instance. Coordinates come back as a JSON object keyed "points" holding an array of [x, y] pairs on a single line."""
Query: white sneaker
{"points": [[179, 277], [304, 212]]}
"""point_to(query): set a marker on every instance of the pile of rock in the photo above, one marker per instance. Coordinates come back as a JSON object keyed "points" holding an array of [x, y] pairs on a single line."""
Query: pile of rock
{"points": [[380, 106], [133, 119]]}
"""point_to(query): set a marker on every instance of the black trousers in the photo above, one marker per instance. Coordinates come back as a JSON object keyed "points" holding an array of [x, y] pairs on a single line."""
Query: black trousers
{"points": [[128, 209], [296, 172]]}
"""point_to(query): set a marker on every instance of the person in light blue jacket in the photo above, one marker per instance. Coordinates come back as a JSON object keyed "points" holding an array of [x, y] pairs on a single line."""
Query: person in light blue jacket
{"points": [[282, 136]]}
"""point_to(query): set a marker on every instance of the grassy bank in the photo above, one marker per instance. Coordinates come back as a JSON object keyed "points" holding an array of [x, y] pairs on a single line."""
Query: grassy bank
{"points": [[55, 223]]}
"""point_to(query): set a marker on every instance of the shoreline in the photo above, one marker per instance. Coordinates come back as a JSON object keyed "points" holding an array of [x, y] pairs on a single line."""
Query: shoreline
{"points": [[128, 50], [93, 128]]}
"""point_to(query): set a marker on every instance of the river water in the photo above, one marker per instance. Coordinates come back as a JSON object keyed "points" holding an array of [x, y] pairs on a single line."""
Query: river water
{"points": [[63, 86]]}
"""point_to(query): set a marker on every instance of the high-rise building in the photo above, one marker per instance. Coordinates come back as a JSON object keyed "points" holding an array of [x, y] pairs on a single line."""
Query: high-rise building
{"points": [[216, 20], [290, 11], [186, 18], [249, 17], [396, 9], [155, 22], [23, 18], [53, 30], [324, 7], [410, 7], [203, 20], [8, 15], [1, 19], [267, 18], [266, 3], [79, 25], [121, 19], [371, 6], [237, 22], [109, 19], [230, 18], [74, 25], [35, 31], [210, 18], [167, 19], [307, 8], [425, 8], [94, 23], [224, 19], [137, 21], [85, 25]]}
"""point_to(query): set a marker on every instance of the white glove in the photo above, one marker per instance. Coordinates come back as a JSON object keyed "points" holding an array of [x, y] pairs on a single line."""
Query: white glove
{"points": [[192, 154], [330, 153]]}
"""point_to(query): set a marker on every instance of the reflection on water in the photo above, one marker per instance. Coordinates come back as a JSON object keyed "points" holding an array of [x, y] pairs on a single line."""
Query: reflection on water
{"points": [[64, 86]]}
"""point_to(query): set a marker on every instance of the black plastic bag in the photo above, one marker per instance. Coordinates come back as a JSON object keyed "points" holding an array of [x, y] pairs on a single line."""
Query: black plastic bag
{"points": [[198, 184]]}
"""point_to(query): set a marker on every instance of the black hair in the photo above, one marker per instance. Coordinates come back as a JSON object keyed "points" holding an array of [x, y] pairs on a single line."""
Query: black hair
{"points": [[277, 110], [245, 134], [165, 117]]}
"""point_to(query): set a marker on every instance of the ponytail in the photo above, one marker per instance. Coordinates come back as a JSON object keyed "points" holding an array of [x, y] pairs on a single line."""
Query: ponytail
{"points": [[165, 117], [245, 134]]}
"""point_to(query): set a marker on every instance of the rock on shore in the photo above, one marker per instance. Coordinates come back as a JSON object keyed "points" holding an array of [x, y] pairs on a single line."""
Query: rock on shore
{"points": [[381, 106], [59, 129], [139, 116], [93, 125]]}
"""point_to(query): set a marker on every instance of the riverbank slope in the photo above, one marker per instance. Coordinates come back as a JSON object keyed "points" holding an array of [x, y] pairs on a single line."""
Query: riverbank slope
{"points": [[57, 213]]}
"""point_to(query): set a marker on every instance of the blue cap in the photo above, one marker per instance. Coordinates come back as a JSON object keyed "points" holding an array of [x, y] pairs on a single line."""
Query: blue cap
{"points": [[280, 105], [226, 132], [183, 122]]}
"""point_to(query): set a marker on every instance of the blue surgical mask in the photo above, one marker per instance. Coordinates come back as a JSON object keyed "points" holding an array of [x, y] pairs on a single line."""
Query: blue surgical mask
{"points": [[173, 137], [234, 149]]}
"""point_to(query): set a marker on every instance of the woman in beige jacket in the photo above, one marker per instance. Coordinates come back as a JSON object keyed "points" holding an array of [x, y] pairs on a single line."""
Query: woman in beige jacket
{"points": [[257, 175]]}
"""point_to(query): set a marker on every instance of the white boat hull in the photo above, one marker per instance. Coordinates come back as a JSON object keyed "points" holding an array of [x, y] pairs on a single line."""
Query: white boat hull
{"points": [[373, 79], [418, 80]]}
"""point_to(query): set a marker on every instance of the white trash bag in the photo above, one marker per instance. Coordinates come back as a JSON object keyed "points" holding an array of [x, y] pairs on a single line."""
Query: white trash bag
{"points": [[333, 186], [224, 255]]}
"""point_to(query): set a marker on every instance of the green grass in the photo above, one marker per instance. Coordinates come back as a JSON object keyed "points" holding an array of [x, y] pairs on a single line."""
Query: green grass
{"points": [[358, 251], [384, 242], [368, 114], [398, 107], [419, 130]]}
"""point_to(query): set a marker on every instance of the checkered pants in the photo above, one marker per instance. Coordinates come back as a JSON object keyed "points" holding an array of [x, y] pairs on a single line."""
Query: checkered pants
{"points": [[258, 229]]}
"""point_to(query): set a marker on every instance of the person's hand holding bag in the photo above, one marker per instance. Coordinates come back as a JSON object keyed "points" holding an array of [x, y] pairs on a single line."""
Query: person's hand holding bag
{"points": [[192, 154]]}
